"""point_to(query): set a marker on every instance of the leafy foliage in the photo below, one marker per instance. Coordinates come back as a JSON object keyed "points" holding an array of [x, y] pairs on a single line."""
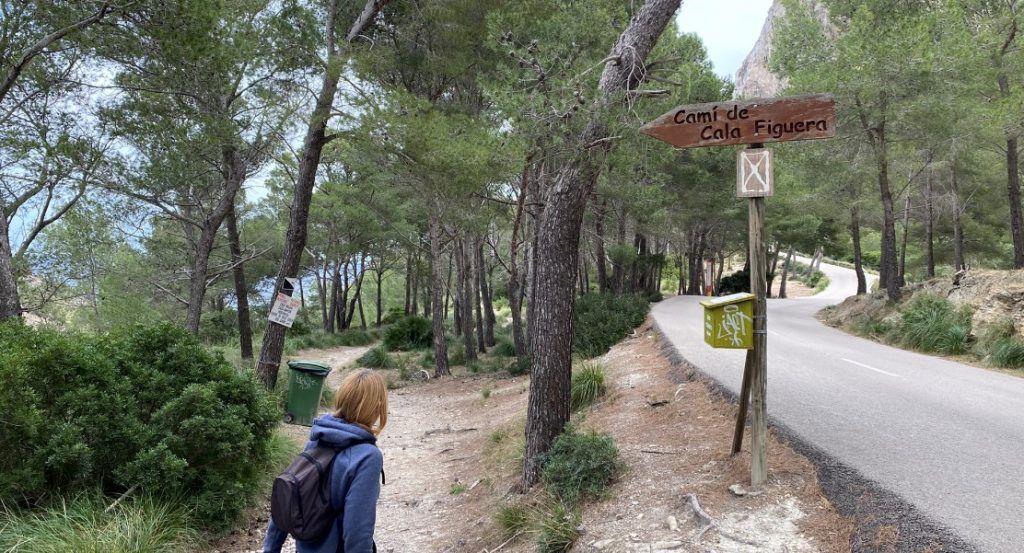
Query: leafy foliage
{"points": [[409, 333], [601, 320], [146, 407]]}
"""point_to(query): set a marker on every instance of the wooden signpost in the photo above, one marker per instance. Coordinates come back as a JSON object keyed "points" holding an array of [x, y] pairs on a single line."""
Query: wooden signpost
{"points": [[752, 122]]}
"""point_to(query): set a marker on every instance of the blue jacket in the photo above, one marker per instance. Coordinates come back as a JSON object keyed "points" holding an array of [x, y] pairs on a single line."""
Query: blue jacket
{"points": [[355, 487]]}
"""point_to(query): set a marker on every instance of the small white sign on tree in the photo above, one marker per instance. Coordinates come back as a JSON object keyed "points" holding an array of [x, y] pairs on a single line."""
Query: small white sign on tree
{"points": [[754, 173], [285, 310]]}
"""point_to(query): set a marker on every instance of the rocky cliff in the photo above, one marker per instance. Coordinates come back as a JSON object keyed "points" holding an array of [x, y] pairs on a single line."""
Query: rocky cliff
{"points": [[754, 79]]}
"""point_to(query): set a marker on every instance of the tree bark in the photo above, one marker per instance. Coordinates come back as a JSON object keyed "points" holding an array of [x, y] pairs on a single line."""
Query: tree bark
{"points": [[474, 282], [10, 302], [558, 241], [858, 261], [515, 295], [485, 294], [241, 290], [599, 253], [929, 227], [785, 272], [312, 148], [903, 245], [380, 300], [466, 303], [958, 228], [890, 276], [618, 268], [437, 303], [408, 283], [1013, 191]]}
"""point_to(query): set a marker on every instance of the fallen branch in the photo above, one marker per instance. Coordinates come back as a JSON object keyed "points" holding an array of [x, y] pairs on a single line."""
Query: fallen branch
{"points": [[120, 497], [712, 524]]}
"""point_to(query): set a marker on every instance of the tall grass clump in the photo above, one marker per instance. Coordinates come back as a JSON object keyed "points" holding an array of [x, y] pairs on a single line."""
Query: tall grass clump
{"points": [[376, 358], [934, 324], [601, 320], [504, 348], [319, 339], [83, 524], [1007, 353], [557, 528], [588, 385]]}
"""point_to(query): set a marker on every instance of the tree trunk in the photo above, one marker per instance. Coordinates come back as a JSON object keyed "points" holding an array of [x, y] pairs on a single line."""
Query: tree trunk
{"points": [[680, 288], [785, 272], [485, 293], [858, 262], [408, 283], [903, 245], [929, 227], [312, 148], [958, 227], [889, 271], [558, 242], [414, 307], [380, 302], [357, 295], [332, 313], [241, 290], [466, 301], [474, 283], [618, 268], [10, 302], [437, 303], [599, 253], [1013, 191], [515, 295]]}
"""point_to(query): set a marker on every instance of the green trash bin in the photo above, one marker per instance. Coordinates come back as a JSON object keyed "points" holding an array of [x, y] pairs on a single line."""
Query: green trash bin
{"points": [[305, 384]]}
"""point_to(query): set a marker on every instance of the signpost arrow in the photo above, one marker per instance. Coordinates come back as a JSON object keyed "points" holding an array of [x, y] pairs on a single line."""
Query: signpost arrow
{"points": [[752, 122]]}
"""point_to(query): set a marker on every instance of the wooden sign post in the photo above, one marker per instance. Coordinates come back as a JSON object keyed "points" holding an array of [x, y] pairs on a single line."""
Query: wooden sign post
{"points": [[753, 122]]}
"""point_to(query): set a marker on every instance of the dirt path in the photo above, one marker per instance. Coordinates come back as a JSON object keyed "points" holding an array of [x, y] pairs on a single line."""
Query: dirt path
{"points": [[442, 489]]}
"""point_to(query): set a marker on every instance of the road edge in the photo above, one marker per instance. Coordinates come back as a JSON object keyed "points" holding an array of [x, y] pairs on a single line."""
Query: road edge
{"points": [[873, 508]]}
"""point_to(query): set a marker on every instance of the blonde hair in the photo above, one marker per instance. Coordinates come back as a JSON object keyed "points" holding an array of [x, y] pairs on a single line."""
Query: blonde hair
{"points": [[363, 399]]}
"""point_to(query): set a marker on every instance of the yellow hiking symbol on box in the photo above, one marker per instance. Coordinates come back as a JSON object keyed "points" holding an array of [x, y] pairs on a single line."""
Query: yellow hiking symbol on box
{"points": [[729, 321]]}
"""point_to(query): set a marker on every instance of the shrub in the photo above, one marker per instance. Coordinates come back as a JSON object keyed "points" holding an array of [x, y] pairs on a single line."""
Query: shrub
{"points": [[580, 466], [934, 324], [83, 524], [504, 348], [392, 315], [1008, 353], [601, 320], [409, 333], [587, 385], [874, 327], [145, 407], [654, 297], [735, 283], [218, 327], [519, 367], [376, 358], [325, 340], [456, 355]]}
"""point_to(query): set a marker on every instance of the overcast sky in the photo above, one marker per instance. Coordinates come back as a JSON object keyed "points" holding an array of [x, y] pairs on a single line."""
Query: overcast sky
{"points": [[729, 28]]}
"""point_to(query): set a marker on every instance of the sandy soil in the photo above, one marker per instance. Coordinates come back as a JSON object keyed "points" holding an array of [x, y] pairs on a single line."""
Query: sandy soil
{"points": [[442, 489], [794, 288]]}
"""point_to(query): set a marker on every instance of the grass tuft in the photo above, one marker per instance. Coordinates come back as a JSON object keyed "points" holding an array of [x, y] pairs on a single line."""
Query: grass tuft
{"points": [[588, 385], [581, 466], [934, 324]]}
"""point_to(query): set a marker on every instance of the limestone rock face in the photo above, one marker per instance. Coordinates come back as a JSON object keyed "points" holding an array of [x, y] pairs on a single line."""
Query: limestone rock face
{"points": [[754, 79]]}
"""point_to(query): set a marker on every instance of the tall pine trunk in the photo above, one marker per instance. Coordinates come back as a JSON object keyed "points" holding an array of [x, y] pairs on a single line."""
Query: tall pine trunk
{"points": [[599, 253], [485, 294], [903, 245], [437, 302], [241, 290], [858, 259], [558, 241], [312, 148], [10, 302], [958, 228], [929, 227], [785, 272]]}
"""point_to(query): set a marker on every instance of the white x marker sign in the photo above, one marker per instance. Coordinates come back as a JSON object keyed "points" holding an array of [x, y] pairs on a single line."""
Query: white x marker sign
{"points": [[754, 173]]}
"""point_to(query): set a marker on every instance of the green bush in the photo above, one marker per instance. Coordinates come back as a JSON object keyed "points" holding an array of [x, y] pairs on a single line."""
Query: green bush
{"points": [[145, 407], [456, 355], [874, 327], [83, 524], [654, 297], [601, 320], [735, 283], [409, 333], [580, 466], [218, 327], [934, 324], [392, 315], [587, 385], [376, 358], [504, 348], [325, 340], [519, 367]]}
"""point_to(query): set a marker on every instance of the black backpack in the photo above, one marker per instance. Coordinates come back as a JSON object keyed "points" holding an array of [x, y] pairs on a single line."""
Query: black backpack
{"points": [[300, 502]]}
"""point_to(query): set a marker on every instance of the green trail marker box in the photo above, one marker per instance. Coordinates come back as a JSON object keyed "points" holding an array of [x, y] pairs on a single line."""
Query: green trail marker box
{"points": [[729, 321]]}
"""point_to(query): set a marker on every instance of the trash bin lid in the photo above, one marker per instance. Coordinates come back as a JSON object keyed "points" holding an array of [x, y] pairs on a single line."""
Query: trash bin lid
{"points": [[310, 367]]}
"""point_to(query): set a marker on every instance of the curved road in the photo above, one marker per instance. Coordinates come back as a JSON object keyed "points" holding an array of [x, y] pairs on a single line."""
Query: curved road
{"points": [[946, 437]]}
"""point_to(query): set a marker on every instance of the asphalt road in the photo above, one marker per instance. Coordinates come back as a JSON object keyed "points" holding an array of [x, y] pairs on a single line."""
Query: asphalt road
{"points": [[946, 437]]}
